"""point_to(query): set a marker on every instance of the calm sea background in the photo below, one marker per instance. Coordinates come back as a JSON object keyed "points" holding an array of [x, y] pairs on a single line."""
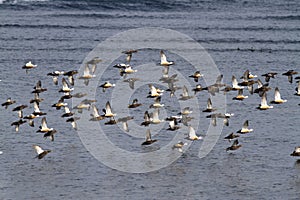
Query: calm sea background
{"points": [[261, 36]]}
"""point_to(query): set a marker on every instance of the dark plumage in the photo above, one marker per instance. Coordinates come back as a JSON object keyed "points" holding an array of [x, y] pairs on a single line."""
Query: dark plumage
{"points": [[231, 136], [8, 102], [234, 146], [148, 138], [41, 152]]}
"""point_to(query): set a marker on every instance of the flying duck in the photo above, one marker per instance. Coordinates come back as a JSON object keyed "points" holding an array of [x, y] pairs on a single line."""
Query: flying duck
{"points": [[277, 99], [179, 146], [163, 59], [296, 152], [147, 119], [28, 66], [192, 134], [148, 138], [106, 85], [86, 75], [154, 92], [196, 76], [269, 75], [172, 88], [84, 104], [107, 111], [73, 120], [20, 110], [44, 128], [131, 82], [185, 94], [38, 88], [79, 95], [231, 136], [60, 104], [8, 102], [36, 98], [95, 114], [41, 152], [240, 96], [261, 88], [173, 125], [17, 124], [67, 113], [245, 128], [155, 117], [135, 103], [209, 107], [157, 103], [290, 74], [129, 54], [124, 121], [186, 111], [94, 63], [55, 76], [168, 79], [127, 70], [235, 84], [234, 146], [31, 117], [264, 105], [218, 82], [37, 111], [198, 88], [70, 75], [248, 75], [65, 87], [50, 134]]}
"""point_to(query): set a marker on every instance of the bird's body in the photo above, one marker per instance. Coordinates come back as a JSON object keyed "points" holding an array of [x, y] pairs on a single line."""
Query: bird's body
{"points": [[231, 136], [240, 96], [185, 94], [44, 128], [192, 134], [29, 65], [290, 74], [17, 124], [173, 125], [38, 88], [264, 105], [179, 146], [269, 75], [245, 128], [106, 85], [8, 102], [95, 115], [296, 152], [234, 146], [209, 107], [148, 138], [41, 152], [163, 59], [108, 112], [277, 98], [196, 76], [134, 104]]}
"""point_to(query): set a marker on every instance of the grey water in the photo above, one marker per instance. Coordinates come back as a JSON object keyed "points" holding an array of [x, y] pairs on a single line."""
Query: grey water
{"points": [[261, 36]]}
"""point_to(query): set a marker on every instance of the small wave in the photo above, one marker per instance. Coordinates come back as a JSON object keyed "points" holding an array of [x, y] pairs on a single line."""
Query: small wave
{"points": [[119, 5], [20, 1], [43, 26], [249, 40], [277, 17]]}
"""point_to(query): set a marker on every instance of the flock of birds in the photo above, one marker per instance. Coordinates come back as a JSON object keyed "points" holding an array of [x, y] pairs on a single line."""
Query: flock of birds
{"points": [[124, 70]]}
